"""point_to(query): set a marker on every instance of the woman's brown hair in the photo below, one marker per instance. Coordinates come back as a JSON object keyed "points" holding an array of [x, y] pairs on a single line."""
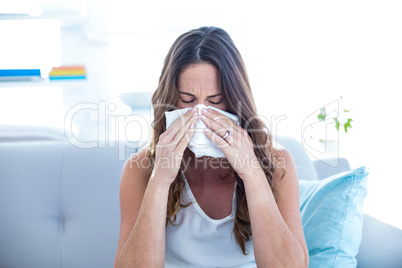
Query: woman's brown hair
{"points": [[214, 46]]}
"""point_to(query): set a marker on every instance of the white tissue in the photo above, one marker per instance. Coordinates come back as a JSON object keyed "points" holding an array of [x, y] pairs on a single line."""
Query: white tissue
{"points": [[200, 144]]}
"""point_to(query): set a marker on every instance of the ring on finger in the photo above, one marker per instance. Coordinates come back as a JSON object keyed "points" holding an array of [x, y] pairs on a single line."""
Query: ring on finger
{"points": [[227, 134]]}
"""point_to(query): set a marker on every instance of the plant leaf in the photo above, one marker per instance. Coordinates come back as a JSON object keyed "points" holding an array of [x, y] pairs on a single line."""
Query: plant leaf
{"points": [[348, 125], [345, 111], [322, 115], [336, 123]]}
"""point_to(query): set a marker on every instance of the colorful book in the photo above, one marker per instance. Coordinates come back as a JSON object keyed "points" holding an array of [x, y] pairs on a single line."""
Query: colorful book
{"points": [[10, 75], [61, 77], [67, 72], [80, 67], [19, 72]]}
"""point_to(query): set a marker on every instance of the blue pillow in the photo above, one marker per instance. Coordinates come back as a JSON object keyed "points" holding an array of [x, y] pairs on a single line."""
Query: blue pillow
{"points": [[331, 212]]}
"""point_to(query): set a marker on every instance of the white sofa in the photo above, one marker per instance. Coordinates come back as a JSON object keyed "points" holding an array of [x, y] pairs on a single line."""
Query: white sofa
{"points": [[59, 206]]}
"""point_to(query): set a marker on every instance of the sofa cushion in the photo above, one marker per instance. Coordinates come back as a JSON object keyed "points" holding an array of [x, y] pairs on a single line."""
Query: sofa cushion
{"points": [[90, 206], [59, 204], [30, 204], [331, 211]]}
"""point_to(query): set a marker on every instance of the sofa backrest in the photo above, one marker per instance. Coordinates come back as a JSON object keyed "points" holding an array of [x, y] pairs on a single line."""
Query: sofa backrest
{"points": [[60, 204], [305, 167]]}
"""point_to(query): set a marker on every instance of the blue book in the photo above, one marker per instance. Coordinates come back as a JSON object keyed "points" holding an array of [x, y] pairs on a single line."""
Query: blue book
{"points": [[64, 77], [19, 72]]}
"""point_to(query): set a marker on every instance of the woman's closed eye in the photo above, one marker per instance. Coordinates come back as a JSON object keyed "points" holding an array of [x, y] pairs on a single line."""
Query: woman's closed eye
{"points": [[212, 102], [190, 101], [215, 103]]}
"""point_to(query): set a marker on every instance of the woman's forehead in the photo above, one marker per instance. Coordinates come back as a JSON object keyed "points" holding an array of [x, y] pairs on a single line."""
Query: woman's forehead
{"points": [[199, 78]]}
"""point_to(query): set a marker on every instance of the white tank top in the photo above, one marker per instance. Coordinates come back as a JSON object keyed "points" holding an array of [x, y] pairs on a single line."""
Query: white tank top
{"points": [[196, 240]]}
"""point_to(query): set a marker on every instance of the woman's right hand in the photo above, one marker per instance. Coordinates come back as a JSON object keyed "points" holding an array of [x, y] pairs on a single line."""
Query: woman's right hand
{"points": [[171, 145]]}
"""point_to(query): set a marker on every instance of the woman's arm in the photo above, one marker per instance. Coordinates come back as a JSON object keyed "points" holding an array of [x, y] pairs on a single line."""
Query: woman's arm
{"points": [[143, 214], [278, 236], [277, 229], [144, 202]]}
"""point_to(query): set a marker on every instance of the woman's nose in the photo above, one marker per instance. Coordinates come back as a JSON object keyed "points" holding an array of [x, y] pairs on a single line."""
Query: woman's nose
{"points": [[200, 106]]}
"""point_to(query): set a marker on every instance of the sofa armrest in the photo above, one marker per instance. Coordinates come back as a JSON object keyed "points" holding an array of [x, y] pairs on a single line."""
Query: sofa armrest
{"points": [[381, 244], [324, 169]]}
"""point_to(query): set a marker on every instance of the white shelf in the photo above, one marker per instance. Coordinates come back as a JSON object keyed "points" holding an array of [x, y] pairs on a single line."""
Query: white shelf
{"points": [[45, 83]]}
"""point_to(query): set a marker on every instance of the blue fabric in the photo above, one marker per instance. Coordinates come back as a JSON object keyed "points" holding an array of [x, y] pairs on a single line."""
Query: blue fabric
{"points": [[331, 212]]}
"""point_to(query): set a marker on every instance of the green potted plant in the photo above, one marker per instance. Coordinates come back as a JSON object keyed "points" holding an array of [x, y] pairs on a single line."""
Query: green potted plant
{"points": [[320, 130], [326, 116]]}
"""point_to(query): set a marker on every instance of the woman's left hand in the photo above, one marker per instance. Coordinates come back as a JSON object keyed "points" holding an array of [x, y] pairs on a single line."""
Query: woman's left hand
{"points": [[237, 145]]}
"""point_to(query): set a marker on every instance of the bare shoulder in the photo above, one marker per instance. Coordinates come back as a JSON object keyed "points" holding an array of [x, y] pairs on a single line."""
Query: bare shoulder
{"points": [[285, 166], [134, 180], [282, 154], [138, 165]]}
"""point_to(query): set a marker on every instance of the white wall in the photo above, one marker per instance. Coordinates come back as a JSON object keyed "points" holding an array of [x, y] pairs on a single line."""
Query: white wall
{"points": [[300, 55], [305, 54]]}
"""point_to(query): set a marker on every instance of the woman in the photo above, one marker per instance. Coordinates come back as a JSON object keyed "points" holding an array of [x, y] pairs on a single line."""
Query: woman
{"points": [[245, 207]]}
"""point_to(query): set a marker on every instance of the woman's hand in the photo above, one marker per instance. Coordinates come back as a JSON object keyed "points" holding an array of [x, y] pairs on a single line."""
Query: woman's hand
{"points": [[236, 145], [171, 146]]}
